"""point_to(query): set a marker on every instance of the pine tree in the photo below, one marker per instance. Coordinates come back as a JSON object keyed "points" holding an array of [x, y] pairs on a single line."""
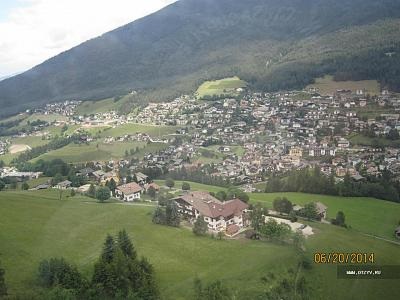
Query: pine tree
{"points": [[172, 214], [125, 244], [108, 249], [112, 185], [148, 287], [159, 216]]}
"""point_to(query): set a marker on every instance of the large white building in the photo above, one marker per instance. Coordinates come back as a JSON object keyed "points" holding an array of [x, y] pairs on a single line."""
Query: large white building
{"points": [[129, 192], [220, 216]]}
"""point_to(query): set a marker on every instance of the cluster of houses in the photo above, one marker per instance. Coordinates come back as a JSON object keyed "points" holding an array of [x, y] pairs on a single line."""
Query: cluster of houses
{"points": [[276, 132], [12, 172], [66, 108], [4, 144], [279, 133]]}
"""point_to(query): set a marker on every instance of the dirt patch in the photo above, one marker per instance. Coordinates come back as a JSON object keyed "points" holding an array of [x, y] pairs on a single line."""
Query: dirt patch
{"points": [[19, 148]]}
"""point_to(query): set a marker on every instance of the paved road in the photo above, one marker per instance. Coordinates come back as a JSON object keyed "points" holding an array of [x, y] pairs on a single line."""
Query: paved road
{"points": [[123, 203]]}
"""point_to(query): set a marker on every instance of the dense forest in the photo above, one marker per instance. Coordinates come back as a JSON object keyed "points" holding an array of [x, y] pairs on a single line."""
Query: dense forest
{"points": [[373, 64]]}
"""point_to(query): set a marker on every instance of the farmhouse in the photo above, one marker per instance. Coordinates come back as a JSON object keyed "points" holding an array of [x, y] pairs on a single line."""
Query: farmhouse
{"points": [[220, 216], [141, 178], [63, 185], [129, 192]]}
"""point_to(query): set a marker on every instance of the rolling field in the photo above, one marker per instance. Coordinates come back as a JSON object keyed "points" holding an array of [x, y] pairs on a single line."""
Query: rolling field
{"points": [[31, 141], [75, 153], [47, 118], [359, 139], [220, 87], [36, 225], [367, 215], [327, 86], [94, 107]]}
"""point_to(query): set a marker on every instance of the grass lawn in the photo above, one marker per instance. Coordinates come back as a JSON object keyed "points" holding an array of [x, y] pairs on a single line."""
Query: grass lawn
{"points": [[193, 185], [371, 216], [7, 158], [47, 118], [367, 215], [359, 139], [330, 239], [131, 128], [94, 107], [372, 110], [238, 150], [36, 225], [75, 153], [220, 87], [32, 141], [327, 86]]}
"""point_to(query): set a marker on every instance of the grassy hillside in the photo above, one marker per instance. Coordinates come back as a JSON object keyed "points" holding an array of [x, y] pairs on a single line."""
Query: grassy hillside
{"points": [[96, 151], [217, 88], [35, 225], [327, 86], [367, 215]]}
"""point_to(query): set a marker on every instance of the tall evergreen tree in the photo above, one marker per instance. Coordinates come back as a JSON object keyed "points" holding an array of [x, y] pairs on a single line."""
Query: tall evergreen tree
{"points": [[159, 216], [172, 214], [108, 249], [125, 244]]}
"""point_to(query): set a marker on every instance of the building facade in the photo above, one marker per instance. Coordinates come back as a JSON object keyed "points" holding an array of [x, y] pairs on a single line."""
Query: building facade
{"points": [[219, 216]]}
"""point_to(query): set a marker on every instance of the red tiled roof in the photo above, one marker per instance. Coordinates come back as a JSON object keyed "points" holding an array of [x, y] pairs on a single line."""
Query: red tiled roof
{"points": [[130, 188], [209, 206], [153, 185]]}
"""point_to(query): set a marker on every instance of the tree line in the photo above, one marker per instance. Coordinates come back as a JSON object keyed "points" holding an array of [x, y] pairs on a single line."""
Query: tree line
{"points": [[312, 180], [55, 144]]}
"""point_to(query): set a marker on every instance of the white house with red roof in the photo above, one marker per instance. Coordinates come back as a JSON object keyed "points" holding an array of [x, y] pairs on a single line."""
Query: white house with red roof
{"points": [[129, 192], [220, 216]]}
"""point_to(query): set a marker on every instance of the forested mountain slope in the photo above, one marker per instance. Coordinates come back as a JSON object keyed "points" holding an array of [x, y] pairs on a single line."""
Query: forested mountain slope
{"points": [[272, 44]]}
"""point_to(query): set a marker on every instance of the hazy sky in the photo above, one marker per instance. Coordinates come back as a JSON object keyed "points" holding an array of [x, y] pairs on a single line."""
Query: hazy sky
{"points": [[32, 31]]}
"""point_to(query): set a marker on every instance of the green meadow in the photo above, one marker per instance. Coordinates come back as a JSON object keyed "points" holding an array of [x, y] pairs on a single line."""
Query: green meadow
{"points": [[36, 225], [359, 139], [94, 107], [327, 86], [225, 86], [366, 215], [76, 153]]}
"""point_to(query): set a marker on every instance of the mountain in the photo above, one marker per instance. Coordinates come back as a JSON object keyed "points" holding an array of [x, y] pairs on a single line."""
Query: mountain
{"points": [[271, 43]]}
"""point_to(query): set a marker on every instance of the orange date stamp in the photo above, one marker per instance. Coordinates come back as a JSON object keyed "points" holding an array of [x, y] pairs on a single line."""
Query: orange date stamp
{"points": [[344, 258]]}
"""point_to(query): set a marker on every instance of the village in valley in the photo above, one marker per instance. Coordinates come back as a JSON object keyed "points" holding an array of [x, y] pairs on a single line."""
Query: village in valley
{"points": [[266, 176], [240, 141]]}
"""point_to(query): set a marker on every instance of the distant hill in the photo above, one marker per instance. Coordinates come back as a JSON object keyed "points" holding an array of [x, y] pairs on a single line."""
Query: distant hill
{"points": [[272, 44]]}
